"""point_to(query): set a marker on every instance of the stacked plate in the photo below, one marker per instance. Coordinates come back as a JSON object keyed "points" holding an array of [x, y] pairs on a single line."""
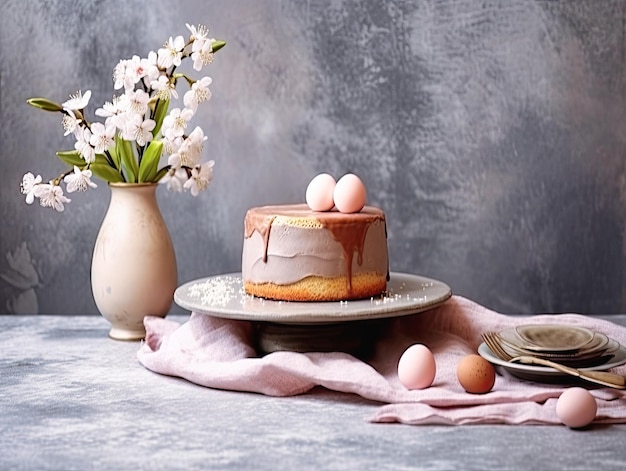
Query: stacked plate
{"points": [[569, 345], [565, 344]]}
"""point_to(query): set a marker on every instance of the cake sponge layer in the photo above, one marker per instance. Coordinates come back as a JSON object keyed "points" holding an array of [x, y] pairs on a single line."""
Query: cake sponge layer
{"points": [[317, 288]]}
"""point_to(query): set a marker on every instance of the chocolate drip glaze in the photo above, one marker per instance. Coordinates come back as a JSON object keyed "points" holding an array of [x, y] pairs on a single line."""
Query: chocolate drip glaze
{"points": [[347, 229], [260, 222]]}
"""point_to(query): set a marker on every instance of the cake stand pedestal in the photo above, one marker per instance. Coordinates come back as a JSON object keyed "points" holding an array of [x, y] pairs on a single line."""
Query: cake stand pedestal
{"points": [[354, 337]]}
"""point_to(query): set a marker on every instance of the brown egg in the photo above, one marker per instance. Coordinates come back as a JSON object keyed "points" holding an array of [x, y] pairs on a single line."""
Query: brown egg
{"points": [[476, 374]]}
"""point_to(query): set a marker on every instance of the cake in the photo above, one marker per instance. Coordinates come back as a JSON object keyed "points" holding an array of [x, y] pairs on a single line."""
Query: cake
{"points": [[292, 253]]}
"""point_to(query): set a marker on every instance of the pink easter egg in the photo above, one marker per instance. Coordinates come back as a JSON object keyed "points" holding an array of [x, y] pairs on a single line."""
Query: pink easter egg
{"points": [[576, 407], [350, 194], [417, 368], [319, 193]]}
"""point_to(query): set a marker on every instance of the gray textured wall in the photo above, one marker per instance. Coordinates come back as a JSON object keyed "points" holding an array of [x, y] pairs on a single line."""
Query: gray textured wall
{"points": [[492, 133]]}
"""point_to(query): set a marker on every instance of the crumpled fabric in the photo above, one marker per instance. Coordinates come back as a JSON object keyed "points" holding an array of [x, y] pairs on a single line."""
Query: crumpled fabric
{"points": [[219, 353]]}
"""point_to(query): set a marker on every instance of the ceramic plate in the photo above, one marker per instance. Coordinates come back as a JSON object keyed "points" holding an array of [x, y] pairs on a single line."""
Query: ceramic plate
{"points": [[554, 337], [224, 296], [541, 373], [598, 345]]}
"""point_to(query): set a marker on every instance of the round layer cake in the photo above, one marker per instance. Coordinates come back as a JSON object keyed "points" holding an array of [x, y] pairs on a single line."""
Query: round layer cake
{"points": [[292, 253]]}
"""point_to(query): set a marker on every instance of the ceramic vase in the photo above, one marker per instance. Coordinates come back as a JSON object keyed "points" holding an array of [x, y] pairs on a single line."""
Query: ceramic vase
{"points": [[133, 270]]}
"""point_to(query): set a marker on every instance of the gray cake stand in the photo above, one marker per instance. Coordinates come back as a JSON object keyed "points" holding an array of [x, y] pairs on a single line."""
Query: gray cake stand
{"points": [[346, 326]]}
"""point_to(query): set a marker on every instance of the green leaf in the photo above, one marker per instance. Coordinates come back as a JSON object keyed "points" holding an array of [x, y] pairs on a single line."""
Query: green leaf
{"points": [[101, 159], [115, 157], [159, 114], [106, 172], [218, 44], [161, 173], [150, 162], [127, 156], [44, 104], [71, 157]]}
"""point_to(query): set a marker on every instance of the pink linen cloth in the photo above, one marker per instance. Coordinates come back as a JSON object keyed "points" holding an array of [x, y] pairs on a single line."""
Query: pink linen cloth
{"points": [[218, 353]]}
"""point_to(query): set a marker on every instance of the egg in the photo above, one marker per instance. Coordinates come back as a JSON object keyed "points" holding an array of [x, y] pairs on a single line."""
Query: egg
{"points": [[576, 407], [476, 374], [417, 368], [350, 194], [320, 192]]}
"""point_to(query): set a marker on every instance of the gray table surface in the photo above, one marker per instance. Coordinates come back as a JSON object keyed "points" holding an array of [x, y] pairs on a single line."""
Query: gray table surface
{"points": [[71, 398]]}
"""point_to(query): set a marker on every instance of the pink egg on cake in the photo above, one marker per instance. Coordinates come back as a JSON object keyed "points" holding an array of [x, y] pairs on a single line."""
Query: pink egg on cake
{"points": [[319, 193], [350, 194]]}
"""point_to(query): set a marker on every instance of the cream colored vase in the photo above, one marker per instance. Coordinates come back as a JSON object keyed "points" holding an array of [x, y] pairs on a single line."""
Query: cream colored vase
{"points": [[133, 270]]}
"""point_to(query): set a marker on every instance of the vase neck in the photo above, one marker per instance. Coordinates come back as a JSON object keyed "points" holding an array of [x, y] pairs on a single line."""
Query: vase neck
{"points": [[133, 193]]}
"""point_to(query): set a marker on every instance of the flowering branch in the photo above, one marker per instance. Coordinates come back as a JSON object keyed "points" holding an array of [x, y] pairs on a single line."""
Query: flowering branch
{"points": [[139, 126]]}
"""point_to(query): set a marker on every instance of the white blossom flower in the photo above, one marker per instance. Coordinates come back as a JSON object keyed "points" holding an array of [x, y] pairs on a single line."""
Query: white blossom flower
{"points": [[197, 138], [186, 156], [175, 179], [201, 176], [171, 53], [102, 137], [133, 73], [87, 152], [118, 120], [110, 108], [171, 145], [202, 56], [137, 129], [80, 180], [28, 186], [188, 153], [150, 67], [119, 74], [136, 101], [175, 123], [200, 38], [199, 93], [70, 122], [123, 103], [197, 32], [174, 160], [165, 88], [78, 101], [51, 196], [127, 73]]}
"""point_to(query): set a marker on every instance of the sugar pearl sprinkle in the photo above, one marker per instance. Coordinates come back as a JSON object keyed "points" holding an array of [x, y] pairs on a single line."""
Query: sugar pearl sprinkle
{"points": [[218, 291], [389, 297]]}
